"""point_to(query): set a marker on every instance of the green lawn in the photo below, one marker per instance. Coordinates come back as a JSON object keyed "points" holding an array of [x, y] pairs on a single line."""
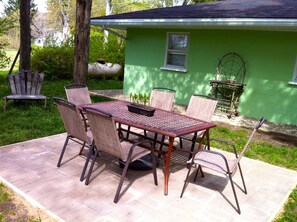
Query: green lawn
{"points": [[28, 120]]}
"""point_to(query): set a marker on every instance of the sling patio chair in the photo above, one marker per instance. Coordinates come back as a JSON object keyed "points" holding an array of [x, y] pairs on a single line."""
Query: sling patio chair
{"points": [[73, 125], [106, 139], [79, 94], [200, 107], [217, 161], [161, 98]]}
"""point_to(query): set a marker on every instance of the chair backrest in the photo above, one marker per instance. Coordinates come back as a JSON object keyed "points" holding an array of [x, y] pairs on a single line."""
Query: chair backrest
{"points": [[25, 82], [78, 94], [162, 98], [201, 107], [258, 125], [71, 119], [104, 131]]}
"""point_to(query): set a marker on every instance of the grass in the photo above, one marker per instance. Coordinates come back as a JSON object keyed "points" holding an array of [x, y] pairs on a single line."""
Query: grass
{"points": [[28, 120], [11, 53], [25, 120], [260, 150]]}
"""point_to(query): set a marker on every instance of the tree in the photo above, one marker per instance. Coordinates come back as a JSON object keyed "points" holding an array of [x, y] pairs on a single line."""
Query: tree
{"points": [[5, 24], [23, 10], [25, 35], [61, 16], [82, 41]]}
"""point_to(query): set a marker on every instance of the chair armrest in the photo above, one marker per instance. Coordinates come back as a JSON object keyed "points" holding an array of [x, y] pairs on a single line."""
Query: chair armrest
{"points": [[212, 152], [227, 142], [140, 141]]}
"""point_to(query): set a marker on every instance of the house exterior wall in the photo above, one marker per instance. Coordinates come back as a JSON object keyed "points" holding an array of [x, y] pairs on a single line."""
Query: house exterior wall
{"points": [[270, 59]]}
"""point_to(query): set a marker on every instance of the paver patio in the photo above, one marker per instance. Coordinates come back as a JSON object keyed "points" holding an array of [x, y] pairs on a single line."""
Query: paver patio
{"points": [[30, 169]]}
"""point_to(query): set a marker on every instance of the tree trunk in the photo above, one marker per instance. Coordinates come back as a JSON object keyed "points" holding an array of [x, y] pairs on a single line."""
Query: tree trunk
{"points": [[25, 35], [82, 41], [108, 10]]}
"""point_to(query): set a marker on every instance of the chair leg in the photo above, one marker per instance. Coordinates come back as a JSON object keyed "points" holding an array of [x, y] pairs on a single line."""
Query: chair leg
{"points": [[45, 103], [161, 146], [193, 144], [239, 167], [82, 148], [197, 171], [91, 168], [185, 184], [86, 163], [234, 192], [154, 168], [117, 195], [128, 132], [63, 151], [181, 143], [155, 139]]}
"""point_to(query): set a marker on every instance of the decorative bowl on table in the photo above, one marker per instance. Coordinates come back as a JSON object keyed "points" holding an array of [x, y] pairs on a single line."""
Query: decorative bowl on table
{"points": [[141, 109]]}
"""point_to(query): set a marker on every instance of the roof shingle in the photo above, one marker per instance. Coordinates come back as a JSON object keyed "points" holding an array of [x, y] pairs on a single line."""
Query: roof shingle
{"points": [[282, 9]]}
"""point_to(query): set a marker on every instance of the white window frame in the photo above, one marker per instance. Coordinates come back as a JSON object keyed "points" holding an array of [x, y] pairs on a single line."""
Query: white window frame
{"points": [[182, 52], [294, 80]]}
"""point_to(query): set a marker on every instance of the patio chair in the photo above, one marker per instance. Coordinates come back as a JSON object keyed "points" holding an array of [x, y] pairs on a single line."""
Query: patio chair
{"points": [[73, 125], [217, 161], [25, 85], [106, 139], [79, 94], [200, 107], [161, 98]]}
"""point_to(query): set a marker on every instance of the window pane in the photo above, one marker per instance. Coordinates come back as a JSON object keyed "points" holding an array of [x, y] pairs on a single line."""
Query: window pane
{"points": [[178, 42], [176, 59]]}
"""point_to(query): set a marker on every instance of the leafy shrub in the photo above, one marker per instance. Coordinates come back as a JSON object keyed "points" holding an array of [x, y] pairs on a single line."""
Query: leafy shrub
{"points": [[112, 51], [56, 62], [4, 60], [96, 45]]}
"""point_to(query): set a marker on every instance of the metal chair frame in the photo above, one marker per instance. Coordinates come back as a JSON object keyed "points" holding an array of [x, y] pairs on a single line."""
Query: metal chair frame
{"points": [[229, 170], [97, 117], [82, 139]]}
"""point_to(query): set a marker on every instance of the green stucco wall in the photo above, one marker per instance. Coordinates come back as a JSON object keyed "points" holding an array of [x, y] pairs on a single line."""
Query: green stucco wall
{"points": [[270, 58]]}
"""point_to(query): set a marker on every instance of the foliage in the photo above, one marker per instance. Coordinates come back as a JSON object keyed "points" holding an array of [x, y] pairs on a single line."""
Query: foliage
{"points": [[96, 45], [111, 51], [5, 24], [139, 98], [55, 61]]}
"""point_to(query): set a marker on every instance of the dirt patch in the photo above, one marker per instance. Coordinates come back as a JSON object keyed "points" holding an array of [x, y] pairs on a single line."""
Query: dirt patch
{"points": [[16, 208], [272, 138]]}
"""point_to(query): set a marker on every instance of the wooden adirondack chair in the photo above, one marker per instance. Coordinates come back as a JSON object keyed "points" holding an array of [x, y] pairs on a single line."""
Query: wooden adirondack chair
{"points": [[25, 85]]}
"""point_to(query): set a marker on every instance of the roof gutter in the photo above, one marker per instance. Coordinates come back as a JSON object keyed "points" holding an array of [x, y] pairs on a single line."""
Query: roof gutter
{"points": [[207, 23]]}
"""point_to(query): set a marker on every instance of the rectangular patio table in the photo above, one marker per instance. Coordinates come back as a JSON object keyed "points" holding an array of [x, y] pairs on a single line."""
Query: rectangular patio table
{"points": [[163, 122]]}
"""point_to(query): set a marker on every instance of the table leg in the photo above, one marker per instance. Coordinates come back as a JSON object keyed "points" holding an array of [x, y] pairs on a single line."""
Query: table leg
{"points": [[167, 163]]}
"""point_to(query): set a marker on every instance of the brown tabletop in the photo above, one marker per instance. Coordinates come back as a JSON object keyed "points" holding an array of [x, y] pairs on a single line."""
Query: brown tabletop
{"points": [[163, 122]]}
